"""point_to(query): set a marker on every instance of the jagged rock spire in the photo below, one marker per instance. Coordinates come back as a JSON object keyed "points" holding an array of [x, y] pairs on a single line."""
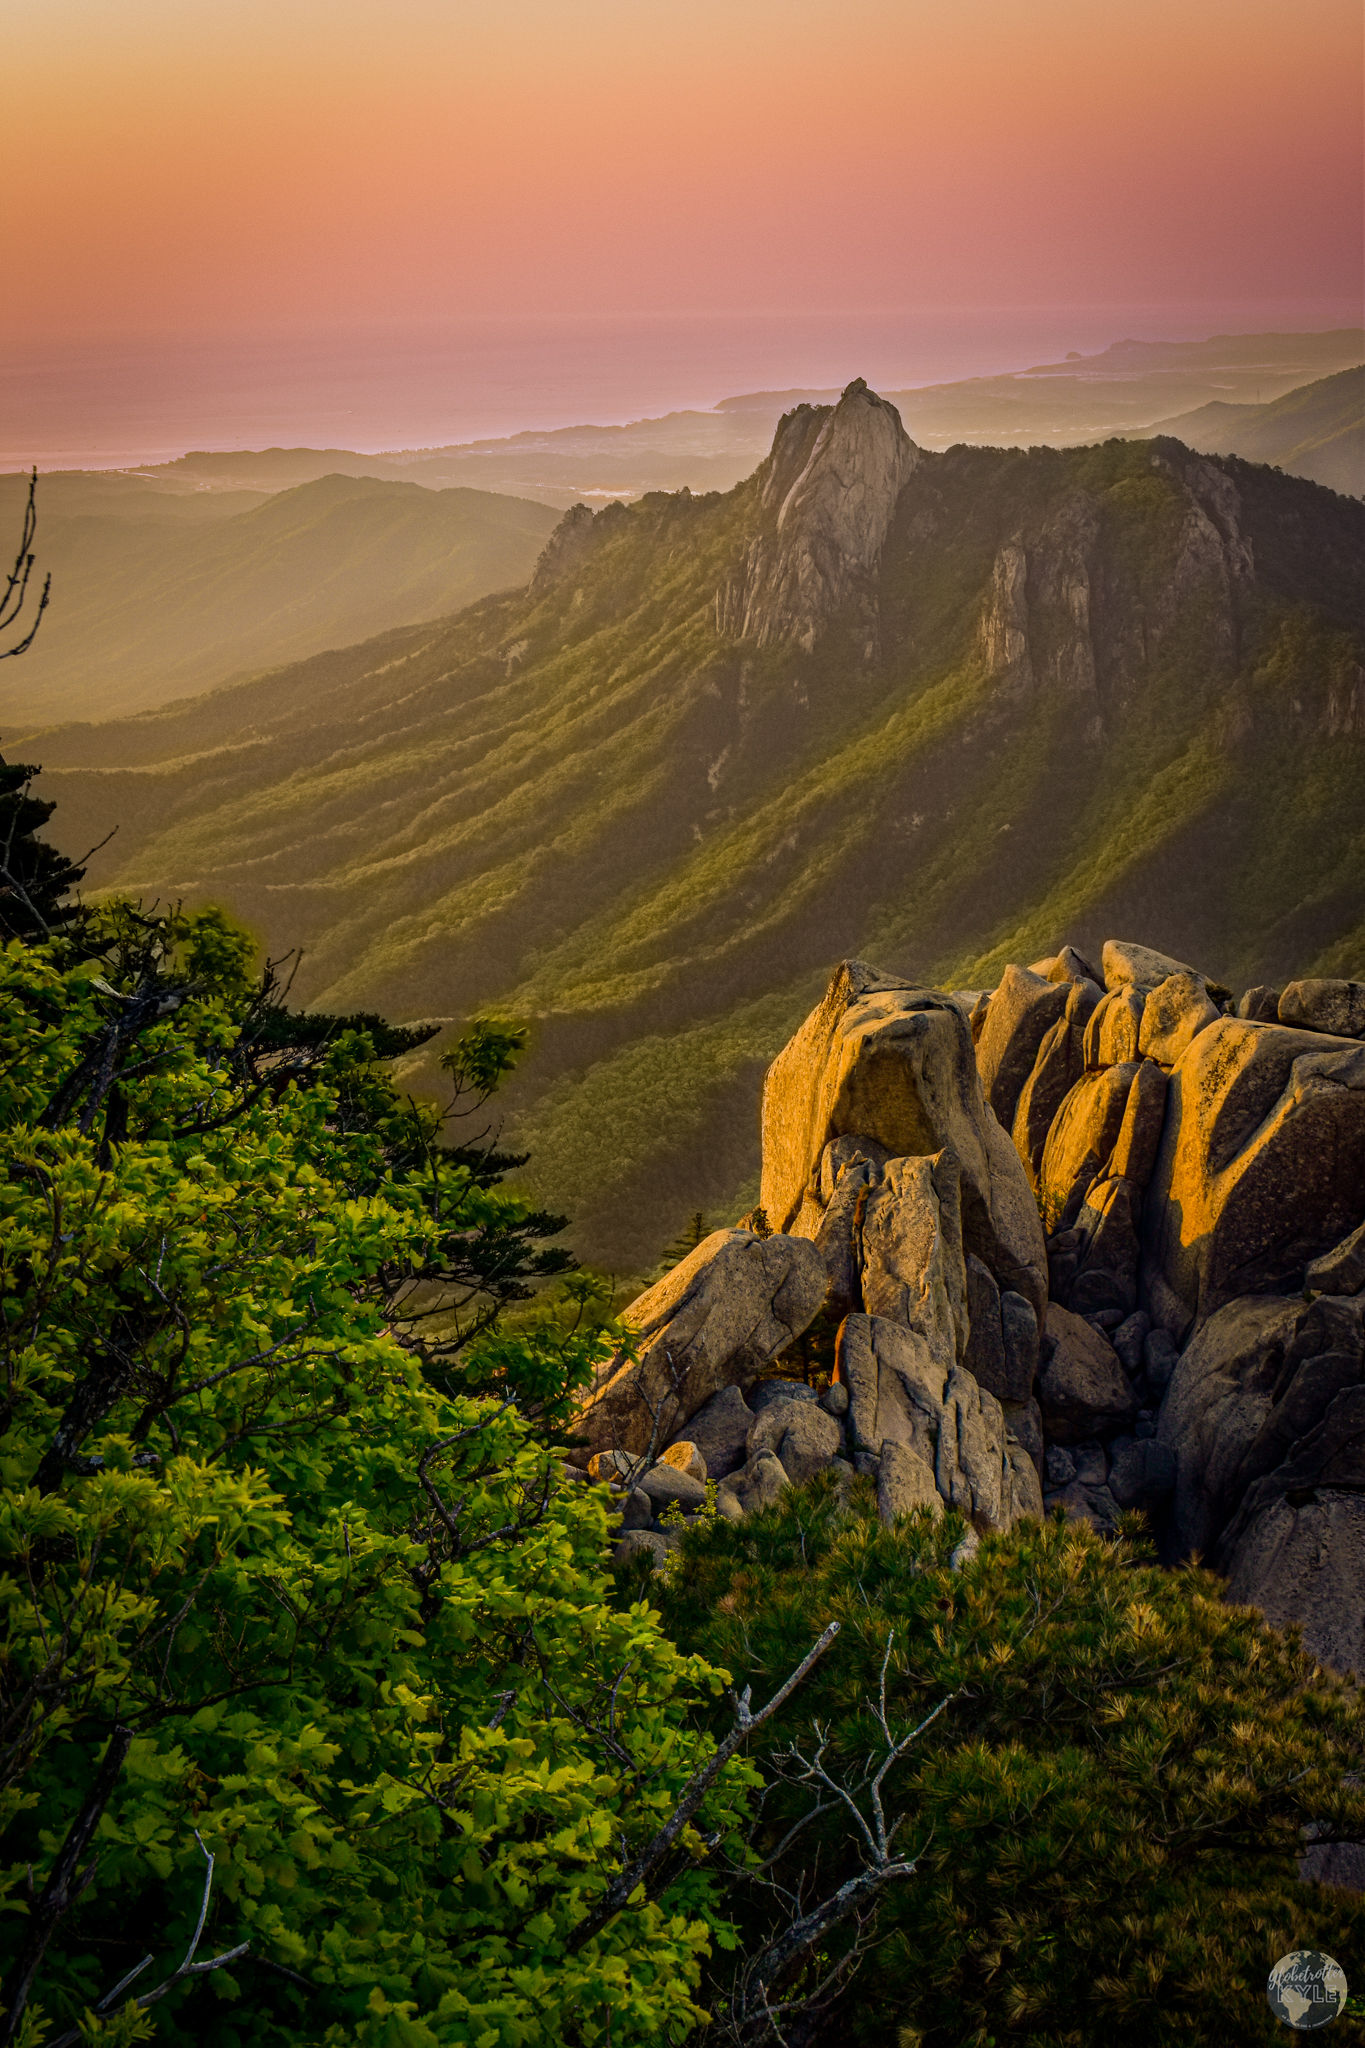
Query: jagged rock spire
{"points": [[832, 481]]}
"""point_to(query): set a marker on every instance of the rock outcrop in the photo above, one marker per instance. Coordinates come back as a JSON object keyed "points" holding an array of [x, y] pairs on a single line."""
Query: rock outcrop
{"points": [[913, 1270], [1188, 1342], [1265, 1417], [1128, 965], [714, 1321], [830, 492], [905, 1483], [1336, 1007], [1303, 1564], [1175, 1012], [882, 1060], [1340, 1271], [1053, 624], [1111, 1036], [1084, 1391], [801, 1436], [1082, 1138], [901, 1396], [1107, 1255], [1023, 1010], [1261, 1167], [1210, 1166], [720, 1430], [1059, 1065]]}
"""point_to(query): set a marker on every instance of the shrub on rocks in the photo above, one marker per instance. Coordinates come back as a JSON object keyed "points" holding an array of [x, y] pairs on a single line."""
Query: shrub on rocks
{"points": [[1106, 1815]]}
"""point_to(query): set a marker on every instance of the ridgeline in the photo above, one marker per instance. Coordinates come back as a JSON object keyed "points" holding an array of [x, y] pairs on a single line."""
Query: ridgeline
{"points": [[931, 709]]}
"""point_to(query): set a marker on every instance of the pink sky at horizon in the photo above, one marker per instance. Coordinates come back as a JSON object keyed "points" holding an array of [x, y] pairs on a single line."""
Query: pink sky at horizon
{"points": [[250, 167]]}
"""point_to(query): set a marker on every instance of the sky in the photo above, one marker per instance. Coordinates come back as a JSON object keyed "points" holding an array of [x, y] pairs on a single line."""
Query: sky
{"points": [[215, 167]]}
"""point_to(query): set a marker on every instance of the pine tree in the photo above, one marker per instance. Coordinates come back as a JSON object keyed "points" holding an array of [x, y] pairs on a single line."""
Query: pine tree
{"points": [[695, 1234], [34, 877], [1100, 1818]]}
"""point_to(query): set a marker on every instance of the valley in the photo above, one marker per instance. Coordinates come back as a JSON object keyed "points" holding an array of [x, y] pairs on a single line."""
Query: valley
{"points": [[1082, 690], [159, 592]]}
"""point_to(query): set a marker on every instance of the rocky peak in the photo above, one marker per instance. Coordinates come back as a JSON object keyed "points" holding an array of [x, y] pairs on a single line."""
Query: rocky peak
{"points": [[796, 435], [828, 497]]}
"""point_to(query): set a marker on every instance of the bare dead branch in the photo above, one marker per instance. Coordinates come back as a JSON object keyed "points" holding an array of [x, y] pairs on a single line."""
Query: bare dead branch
{"points": [[189, 1968], [754, 2020], [65, 1883], [698, 1785], [15, 594]]}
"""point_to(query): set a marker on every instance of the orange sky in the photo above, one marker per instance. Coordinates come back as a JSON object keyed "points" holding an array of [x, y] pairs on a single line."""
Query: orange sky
{"points": [[240, 164]]}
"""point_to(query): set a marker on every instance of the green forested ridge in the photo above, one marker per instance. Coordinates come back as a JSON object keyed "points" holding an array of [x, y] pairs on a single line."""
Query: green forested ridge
{"points": [[593, 812], [159, 594]]}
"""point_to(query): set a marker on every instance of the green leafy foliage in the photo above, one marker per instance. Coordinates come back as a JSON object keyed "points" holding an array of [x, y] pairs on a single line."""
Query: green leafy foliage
{"points": [[542, 1357], [1107, 1813], [485, 1055], [352, 1624]]}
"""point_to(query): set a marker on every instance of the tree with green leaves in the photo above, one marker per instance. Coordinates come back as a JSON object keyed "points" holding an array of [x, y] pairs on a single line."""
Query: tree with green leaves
{"points": [[316, 1723]]}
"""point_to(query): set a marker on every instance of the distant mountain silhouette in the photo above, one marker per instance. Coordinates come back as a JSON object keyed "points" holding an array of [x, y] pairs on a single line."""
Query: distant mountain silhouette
{"points": [[157, 594], [1317, 431]]}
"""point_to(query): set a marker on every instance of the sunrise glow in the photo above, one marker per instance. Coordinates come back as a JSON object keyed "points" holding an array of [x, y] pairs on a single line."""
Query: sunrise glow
{"points": [[249, 165]]}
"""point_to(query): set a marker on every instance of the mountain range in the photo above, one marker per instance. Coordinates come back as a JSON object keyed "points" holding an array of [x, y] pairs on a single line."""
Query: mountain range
{"points": [[1317, 431], [1123, 389], [152, 605], [157, 593], [940, 710]]}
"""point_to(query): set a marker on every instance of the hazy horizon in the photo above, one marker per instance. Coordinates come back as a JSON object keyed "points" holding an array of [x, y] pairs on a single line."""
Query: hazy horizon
{"points": [[137, 400], [424, 224]]}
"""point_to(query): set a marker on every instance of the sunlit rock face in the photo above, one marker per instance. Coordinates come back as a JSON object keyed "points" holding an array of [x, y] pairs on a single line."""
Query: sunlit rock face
{"points": [[893, 1066], [714, 1321], [1210, 1165], [832, 482]]}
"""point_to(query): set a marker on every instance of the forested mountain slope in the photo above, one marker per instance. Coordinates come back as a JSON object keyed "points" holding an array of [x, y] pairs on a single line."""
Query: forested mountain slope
{"points": [[1318, 431], [936, 710], [156, 594]]}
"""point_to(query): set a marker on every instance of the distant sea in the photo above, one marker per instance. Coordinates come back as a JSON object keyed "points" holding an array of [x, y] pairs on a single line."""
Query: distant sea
{"points": [[122, 402]]}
